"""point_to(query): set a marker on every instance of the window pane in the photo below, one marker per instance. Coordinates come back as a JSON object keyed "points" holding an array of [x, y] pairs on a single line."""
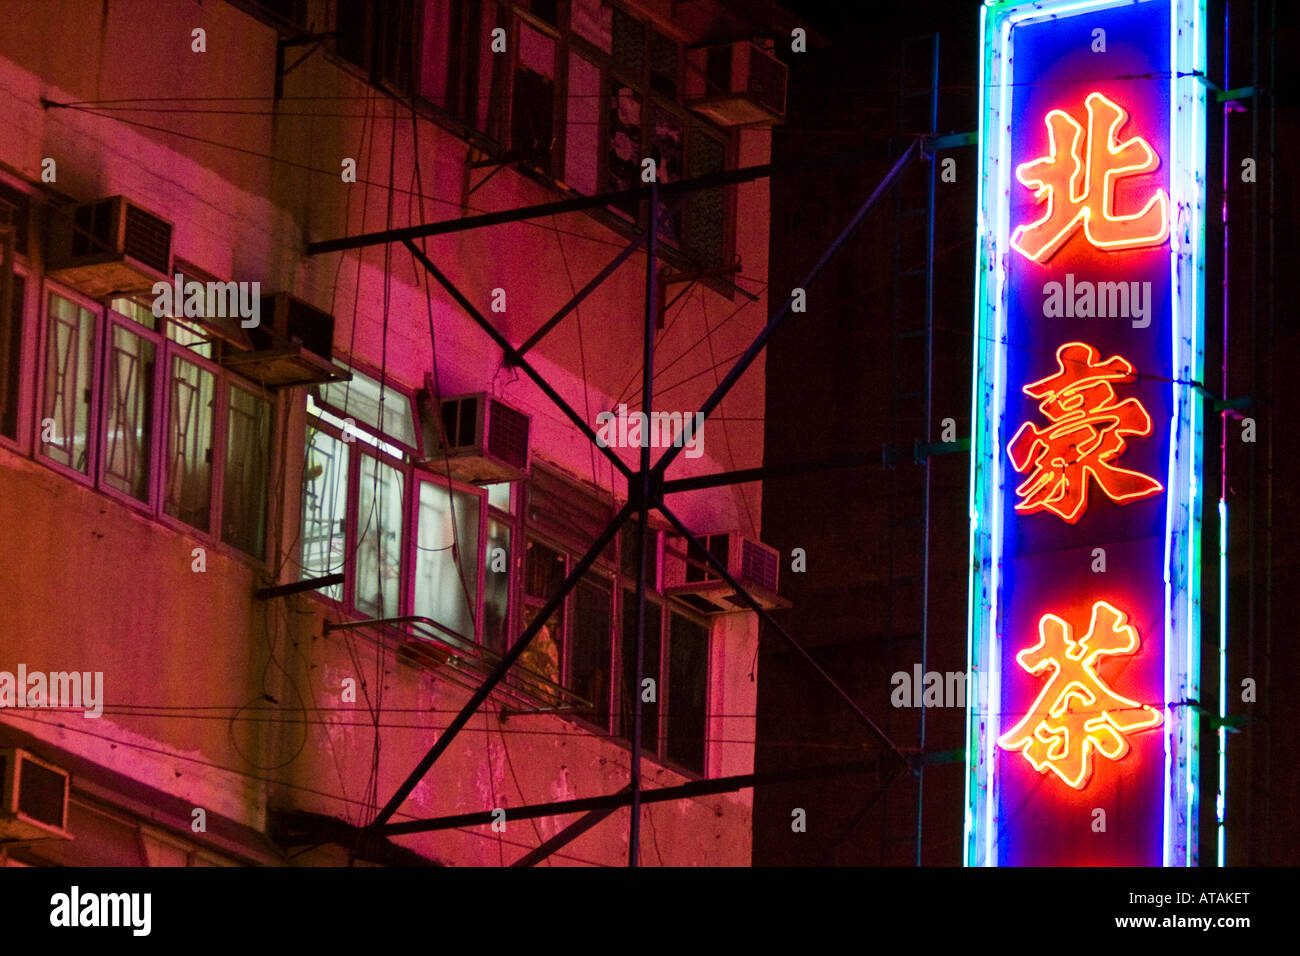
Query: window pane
{"points": [[11, 357], [248, 460], [666, 149], [624, 156], [582, 129], [128, 413], [498, 494], [137, 313], [649, 668], [688, 678], [388, 414], [69, 362], [446, 560], [591, 646], [496, 588], [360, 399], [354, 38], [243, 506], [192, 394], [324, 508], [706, 208], [532, 114], [544, 571], [629, 45], [542, 656], [663, 64], [379, 533]]}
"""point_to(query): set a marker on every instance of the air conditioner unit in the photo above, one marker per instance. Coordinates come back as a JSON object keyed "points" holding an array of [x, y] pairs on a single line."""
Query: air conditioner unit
{"points": [[486, 439], [293, 344], [691, 579], [109, 247], [736, 84], [34, 804]]}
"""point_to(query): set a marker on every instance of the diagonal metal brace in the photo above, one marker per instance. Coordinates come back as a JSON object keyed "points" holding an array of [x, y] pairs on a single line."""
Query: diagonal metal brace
{"points": [[515, 357], [751, 353], [507, 661]]}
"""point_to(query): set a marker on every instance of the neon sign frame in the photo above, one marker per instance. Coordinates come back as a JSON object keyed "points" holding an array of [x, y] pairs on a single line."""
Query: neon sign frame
{"points": [[1185, 162]]}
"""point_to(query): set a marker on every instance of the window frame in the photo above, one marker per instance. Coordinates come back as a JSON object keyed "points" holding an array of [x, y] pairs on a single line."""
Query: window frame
{"points": [[622, 587], [105, 319], [89, 476], [108, 320], [30, 352]]}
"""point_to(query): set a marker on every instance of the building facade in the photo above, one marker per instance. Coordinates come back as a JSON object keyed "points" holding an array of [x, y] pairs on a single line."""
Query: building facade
{"points": [[174, 458]]}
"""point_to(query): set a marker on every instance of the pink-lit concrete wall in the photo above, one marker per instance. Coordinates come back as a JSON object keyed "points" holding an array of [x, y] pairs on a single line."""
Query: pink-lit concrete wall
{"points": [[90, 585]]}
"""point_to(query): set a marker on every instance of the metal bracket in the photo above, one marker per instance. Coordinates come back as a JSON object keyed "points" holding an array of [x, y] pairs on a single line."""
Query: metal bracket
{"points": [[311, 584]]}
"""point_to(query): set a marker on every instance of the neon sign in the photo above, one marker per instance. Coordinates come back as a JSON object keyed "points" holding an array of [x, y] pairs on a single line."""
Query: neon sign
{"points": [[1083, 627], [1065, 182], [1085, 437], [1077, 712]]}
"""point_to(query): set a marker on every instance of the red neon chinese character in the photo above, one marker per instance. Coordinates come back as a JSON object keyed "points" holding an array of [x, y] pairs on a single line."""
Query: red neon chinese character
{"points": [[1085, 437], [1082, 191], [1076, 712]]}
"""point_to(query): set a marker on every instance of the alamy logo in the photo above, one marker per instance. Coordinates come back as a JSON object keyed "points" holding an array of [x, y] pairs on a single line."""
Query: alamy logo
{"points": [[59, 689], [195, 300], [74, 908], [1083, 299], [656, 430]]}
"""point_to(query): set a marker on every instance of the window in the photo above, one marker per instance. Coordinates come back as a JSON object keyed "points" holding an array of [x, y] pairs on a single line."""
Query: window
{"points": [[583, 93], [247, 465], [456, 62], [407, 540], [588, 644], [11, 356], [446, 557], [129, 396], [69, 383], [532, 109], [130, 402]]}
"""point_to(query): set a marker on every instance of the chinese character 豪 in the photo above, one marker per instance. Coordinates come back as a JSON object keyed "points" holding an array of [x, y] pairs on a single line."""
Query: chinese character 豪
{"points": [[1076, 712], [1079, 187], [1086, 435]]}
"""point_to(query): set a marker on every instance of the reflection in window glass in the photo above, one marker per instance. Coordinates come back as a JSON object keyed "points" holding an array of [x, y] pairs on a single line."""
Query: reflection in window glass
{"points": [[446, 557], [688, 667], [544, 571], [188, 482], [69, 357], [590, 646], [128, 413], [379, 536], [498, 494], [496, 588], [324, 508], [388, 413], [248, 457]]}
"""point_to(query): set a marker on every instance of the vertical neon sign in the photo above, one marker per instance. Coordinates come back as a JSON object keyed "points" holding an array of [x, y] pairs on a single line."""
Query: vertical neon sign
{"points": [[1084, 616]]}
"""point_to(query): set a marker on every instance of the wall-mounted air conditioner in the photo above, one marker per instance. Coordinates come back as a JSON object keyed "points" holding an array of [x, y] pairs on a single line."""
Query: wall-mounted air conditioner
{"points": [[293, 344], [34, 804], [109, 247], [691, 579], [486, 439], [736, 84]]}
